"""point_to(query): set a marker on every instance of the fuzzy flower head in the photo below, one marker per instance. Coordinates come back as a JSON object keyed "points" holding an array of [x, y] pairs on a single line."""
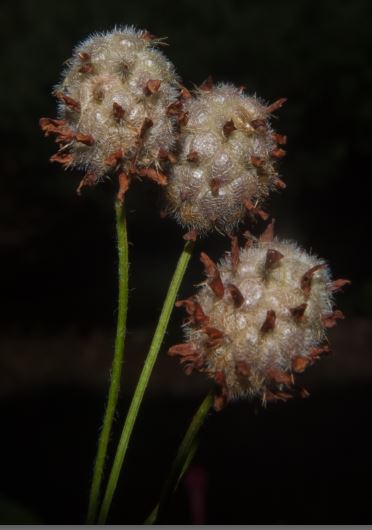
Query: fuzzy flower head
{"points": [[113, 108], [227, 160], [259, 319]]}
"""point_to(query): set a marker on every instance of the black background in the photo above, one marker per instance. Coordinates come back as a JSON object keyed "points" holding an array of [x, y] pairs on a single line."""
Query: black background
{"points": [[300, 462]]}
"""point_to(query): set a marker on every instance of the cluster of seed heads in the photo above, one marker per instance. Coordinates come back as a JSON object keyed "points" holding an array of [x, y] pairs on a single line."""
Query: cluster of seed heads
{"points": [[259, 319], [261, 316]]}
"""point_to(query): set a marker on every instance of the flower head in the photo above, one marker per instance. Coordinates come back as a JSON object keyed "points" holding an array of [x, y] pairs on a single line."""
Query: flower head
{"points": [[227, 159], [259, 319], [113, 108]]}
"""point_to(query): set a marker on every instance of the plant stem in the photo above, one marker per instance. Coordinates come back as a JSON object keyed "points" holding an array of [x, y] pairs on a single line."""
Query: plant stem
{"points": [[185, 454], [144, 379], [122, 242]]}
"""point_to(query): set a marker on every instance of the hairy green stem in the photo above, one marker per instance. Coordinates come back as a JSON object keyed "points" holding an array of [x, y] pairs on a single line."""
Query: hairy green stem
{"points": [[144, 379], [122, 242], [184, 456]]}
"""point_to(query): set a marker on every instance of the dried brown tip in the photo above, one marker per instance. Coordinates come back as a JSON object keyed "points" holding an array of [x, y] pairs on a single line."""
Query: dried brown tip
{"points": [[147, 36], [279, 183], [337, 285], [253, 209], [278, 153], [84, 56], [147, 123], [298, 312], [272, 258], [185, 93], [207, 85], [65, 159], [191, 358], [51, 126], [329, 321], [276, 105], [154, 175], [280, 377], [215, 186], [86, 139], [117, 111], [270, 395], [167, 156], [259, 125], [86, 68], [68, 101], [307, 278], [268, 234], [152, 87], [194, 310], [299, 363], [174, 109], [114, 159], [257, 161], [280, 139], [123, 186], [215, 337], [236, 295], [183, 118], [234, 253], [193, 156], [315, 353], [89, 180], [192, 235], [269, 323], [211, 270], [228, 128], [243, 368], [220, 399]]}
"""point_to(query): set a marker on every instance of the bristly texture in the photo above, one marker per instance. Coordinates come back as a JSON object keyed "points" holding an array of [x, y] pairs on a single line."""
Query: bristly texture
{"points": [[259, 319], [227, 162], [113, 109]]}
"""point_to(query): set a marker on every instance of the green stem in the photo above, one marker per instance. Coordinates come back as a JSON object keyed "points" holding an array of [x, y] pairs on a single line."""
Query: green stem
{"points": [[122, 242], [185, 454], [144, 379]]}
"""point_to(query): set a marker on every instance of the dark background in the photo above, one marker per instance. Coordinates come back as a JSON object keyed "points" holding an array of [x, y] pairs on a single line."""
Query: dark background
{"points": [[303, 462]]}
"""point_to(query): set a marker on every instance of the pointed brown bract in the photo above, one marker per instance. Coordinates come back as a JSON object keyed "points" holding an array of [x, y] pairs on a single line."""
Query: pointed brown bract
{"points": [[298, 312], [257, 161], [215, 282], [215, 186], [253, 209], [220, 399], [234, 253], [315, 353], [147, 124], [329, 321], [236, 295], [306, 279], [215, 337], [193, 156], [337, 285], [207, 85], [64, 158], [185, 93], [152, 87], [167, 156], [192, 235], [228, 128], [124, 181], [300, 363], [117, 111], [276, 105], [191, 358], [86, 139], [194, 310], [84, 56], [86, 68], [272, 258], [90, 179], [243, 368], [279, 183], [114, 159], [268, 234], [68, 101], [280, 139], [154, 175], [147, 36], [280, 377], [270, 395], [259, 125], [278, 153], [51, 126], [269, 323], [183, 118], [174, 109]]}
